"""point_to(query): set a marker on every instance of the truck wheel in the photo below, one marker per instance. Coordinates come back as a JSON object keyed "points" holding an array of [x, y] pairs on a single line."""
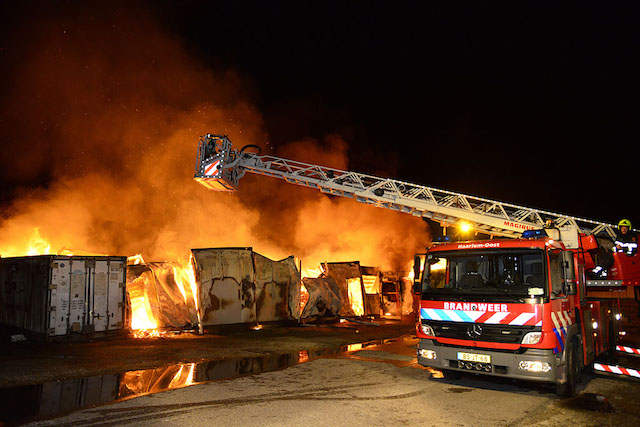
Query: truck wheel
{"points": [[568, 389], [610, 355]]}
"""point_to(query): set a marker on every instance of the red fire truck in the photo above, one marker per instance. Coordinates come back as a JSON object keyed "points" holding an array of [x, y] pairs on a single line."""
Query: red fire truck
{"points": [[516, 306]]}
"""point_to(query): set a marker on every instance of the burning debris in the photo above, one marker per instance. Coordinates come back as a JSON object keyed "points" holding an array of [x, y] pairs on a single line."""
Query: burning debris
{"points": [[350, 285], [349, 290], [163, 295], [323, 298], [218, 286]]}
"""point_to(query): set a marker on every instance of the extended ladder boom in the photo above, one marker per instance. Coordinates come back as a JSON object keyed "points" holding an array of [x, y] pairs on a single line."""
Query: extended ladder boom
{"points": [[219, 167]]}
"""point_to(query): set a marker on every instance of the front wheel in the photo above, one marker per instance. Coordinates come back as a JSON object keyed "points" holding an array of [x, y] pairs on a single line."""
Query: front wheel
{"points": [[610, 355], [568, 389]]}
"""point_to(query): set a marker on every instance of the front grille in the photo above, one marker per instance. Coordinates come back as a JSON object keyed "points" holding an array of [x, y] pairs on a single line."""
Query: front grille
{"points": [[490, 333], [519, 350]]}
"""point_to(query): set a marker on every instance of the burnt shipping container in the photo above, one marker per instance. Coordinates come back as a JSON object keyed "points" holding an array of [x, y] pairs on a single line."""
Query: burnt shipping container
{"points": [[238, 285], [53, 297]]}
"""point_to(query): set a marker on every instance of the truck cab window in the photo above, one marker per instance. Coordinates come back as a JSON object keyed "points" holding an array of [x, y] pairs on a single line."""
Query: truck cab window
{"points": [[437, 272]]}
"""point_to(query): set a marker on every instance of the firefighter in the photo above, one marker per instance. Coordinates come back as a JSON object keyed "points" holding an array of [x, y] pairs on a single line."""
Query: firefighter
{"points": [[626, 240]]}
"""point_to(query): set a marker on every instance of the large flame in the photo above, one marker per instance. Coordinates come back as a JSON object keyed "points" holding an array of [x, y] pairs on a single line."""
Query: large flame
{"points": [[142, 291], [38, 245], [142, 319], [355, 296], [185, 278], [108, 167], [31, 242]]}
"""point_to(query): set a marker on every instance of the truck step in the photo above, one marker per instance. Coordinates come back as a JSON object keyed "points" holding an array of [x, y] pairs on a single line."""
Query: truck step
{"points": [[630, 350], [614, 369]]}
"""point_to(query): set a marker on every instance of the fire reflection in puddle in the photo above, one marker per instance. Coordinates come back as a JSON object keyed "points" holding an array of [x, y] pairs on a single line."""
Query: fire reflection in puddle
{"points": [[40, 401], [49, 400]]}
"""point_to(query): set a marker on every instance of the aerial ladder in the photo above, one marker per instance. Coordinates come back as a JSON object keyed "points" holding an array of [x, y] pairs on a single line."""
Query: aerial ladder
{"points": [[219, 167]]}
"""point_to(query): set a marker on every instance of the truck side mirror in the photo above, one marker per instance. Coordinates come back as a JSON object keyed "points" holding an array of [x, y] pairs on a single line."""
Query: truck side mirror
{"points": [[417, 279], [568, 273], [417, 288]]}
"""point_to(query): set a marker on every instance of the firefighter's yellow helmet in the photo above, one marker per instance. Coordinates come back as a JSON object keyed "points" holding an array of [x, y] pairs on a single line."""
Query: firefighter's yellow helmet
{"points": [[624, 223]]}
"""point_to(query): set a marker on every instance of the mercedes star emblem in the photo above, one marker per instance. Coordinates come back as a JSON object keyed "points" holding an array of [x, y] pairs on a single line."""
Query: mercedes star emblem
{"points": [[474, 331]]}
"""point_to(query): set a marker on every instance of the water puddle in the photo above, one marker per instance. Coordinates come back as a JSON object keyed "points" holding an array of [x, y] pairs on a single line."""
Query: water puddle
{"points": [[458, 390], [588, 402], [40, 401]]}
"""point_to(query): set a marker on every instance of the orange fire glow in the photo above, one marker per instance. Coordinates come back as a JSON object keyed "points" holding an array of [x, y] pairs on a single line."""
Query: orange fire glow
{"points": [[312, 272], [38, 245], [185, 278], [158, 379], [29, 242], [355, 296], [129, 189], [144, 323], [304, 296]]}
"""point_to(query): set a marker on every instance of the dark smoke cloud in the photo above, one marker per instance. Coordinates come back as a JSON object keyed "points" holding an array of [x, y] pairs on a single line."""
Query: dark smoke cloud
{"points": [[102, 114]]}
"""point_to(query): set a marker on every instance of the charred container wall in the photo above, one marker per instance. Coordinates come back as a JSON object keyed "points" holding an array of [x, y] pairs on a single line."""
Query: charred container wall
{"points": [[349, 279], [237, 285], [54, 297]]}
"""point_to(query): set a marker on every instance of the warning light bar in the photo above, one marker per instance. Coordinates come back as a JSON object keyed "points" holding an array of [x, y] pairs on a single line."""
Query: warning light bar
{"points": [[534, 234]]}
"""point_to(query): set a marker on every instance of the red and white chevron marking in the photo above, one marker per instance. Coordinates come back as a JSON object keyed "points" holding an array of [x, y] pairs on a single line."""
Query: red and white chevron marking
{"points": [[561, 319], [629, 350], [482, 312], [614, 369], [212, 168]]}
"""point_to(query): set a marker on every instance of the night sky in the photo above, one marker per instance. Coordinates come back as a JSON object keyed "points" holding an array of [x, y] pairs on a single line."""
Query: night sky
{"points": [[535, 105], [531, 103]]}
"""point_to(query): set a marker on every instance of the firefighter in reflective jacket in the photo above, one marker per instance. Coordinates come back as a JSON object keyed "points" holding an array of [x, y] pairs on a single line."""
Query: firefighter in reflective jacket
{"points": [[626, 240]]}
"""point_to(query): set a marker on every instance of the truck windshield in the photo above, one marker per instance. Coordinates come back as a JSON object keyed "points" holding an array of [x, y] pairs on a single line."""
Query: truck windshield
{"points": [[512, 275]]}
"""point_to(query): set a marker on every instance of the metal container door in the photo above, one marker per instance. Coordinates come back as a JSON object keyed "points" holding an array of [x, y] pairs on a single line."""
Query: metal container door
{"points": [[59, 297], [77, 295], [99, 308], [117, 279]]}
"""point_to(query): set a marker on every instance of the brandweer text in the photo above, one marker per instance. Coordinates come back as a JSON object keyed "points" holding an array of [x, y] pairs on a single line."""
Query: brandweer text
{"points": [[467, 306]]}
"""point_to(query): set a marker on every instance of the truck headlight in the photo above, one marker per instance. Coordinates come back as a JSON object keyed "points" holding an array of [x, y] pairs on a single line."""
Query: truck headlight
{"points": [[427, 354], [532, 338], [427, 330], [534, 366]]}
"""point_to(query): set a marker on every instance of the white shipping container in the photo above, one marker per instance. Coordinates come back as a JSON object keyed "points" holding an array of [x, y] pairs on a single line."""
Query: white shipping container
{"points": [[66, 297]]}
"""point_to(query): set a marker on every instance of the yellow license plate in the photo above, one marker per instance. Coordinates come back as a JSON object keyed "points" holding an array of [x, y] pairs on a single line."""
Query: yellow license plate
{"points": [[470, 357]]}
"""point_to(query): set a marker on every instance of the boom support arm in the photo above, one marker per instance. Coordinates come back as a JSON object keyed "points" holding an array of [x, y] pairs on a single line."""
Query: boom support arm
{"points": [[219, 167]]}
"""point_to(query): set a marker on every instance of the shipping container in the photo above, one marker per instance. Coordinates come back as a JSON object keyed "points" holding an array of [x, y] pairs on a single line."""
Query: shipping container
{"points": [[237, 285], [352, 293], [53, 297]]}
